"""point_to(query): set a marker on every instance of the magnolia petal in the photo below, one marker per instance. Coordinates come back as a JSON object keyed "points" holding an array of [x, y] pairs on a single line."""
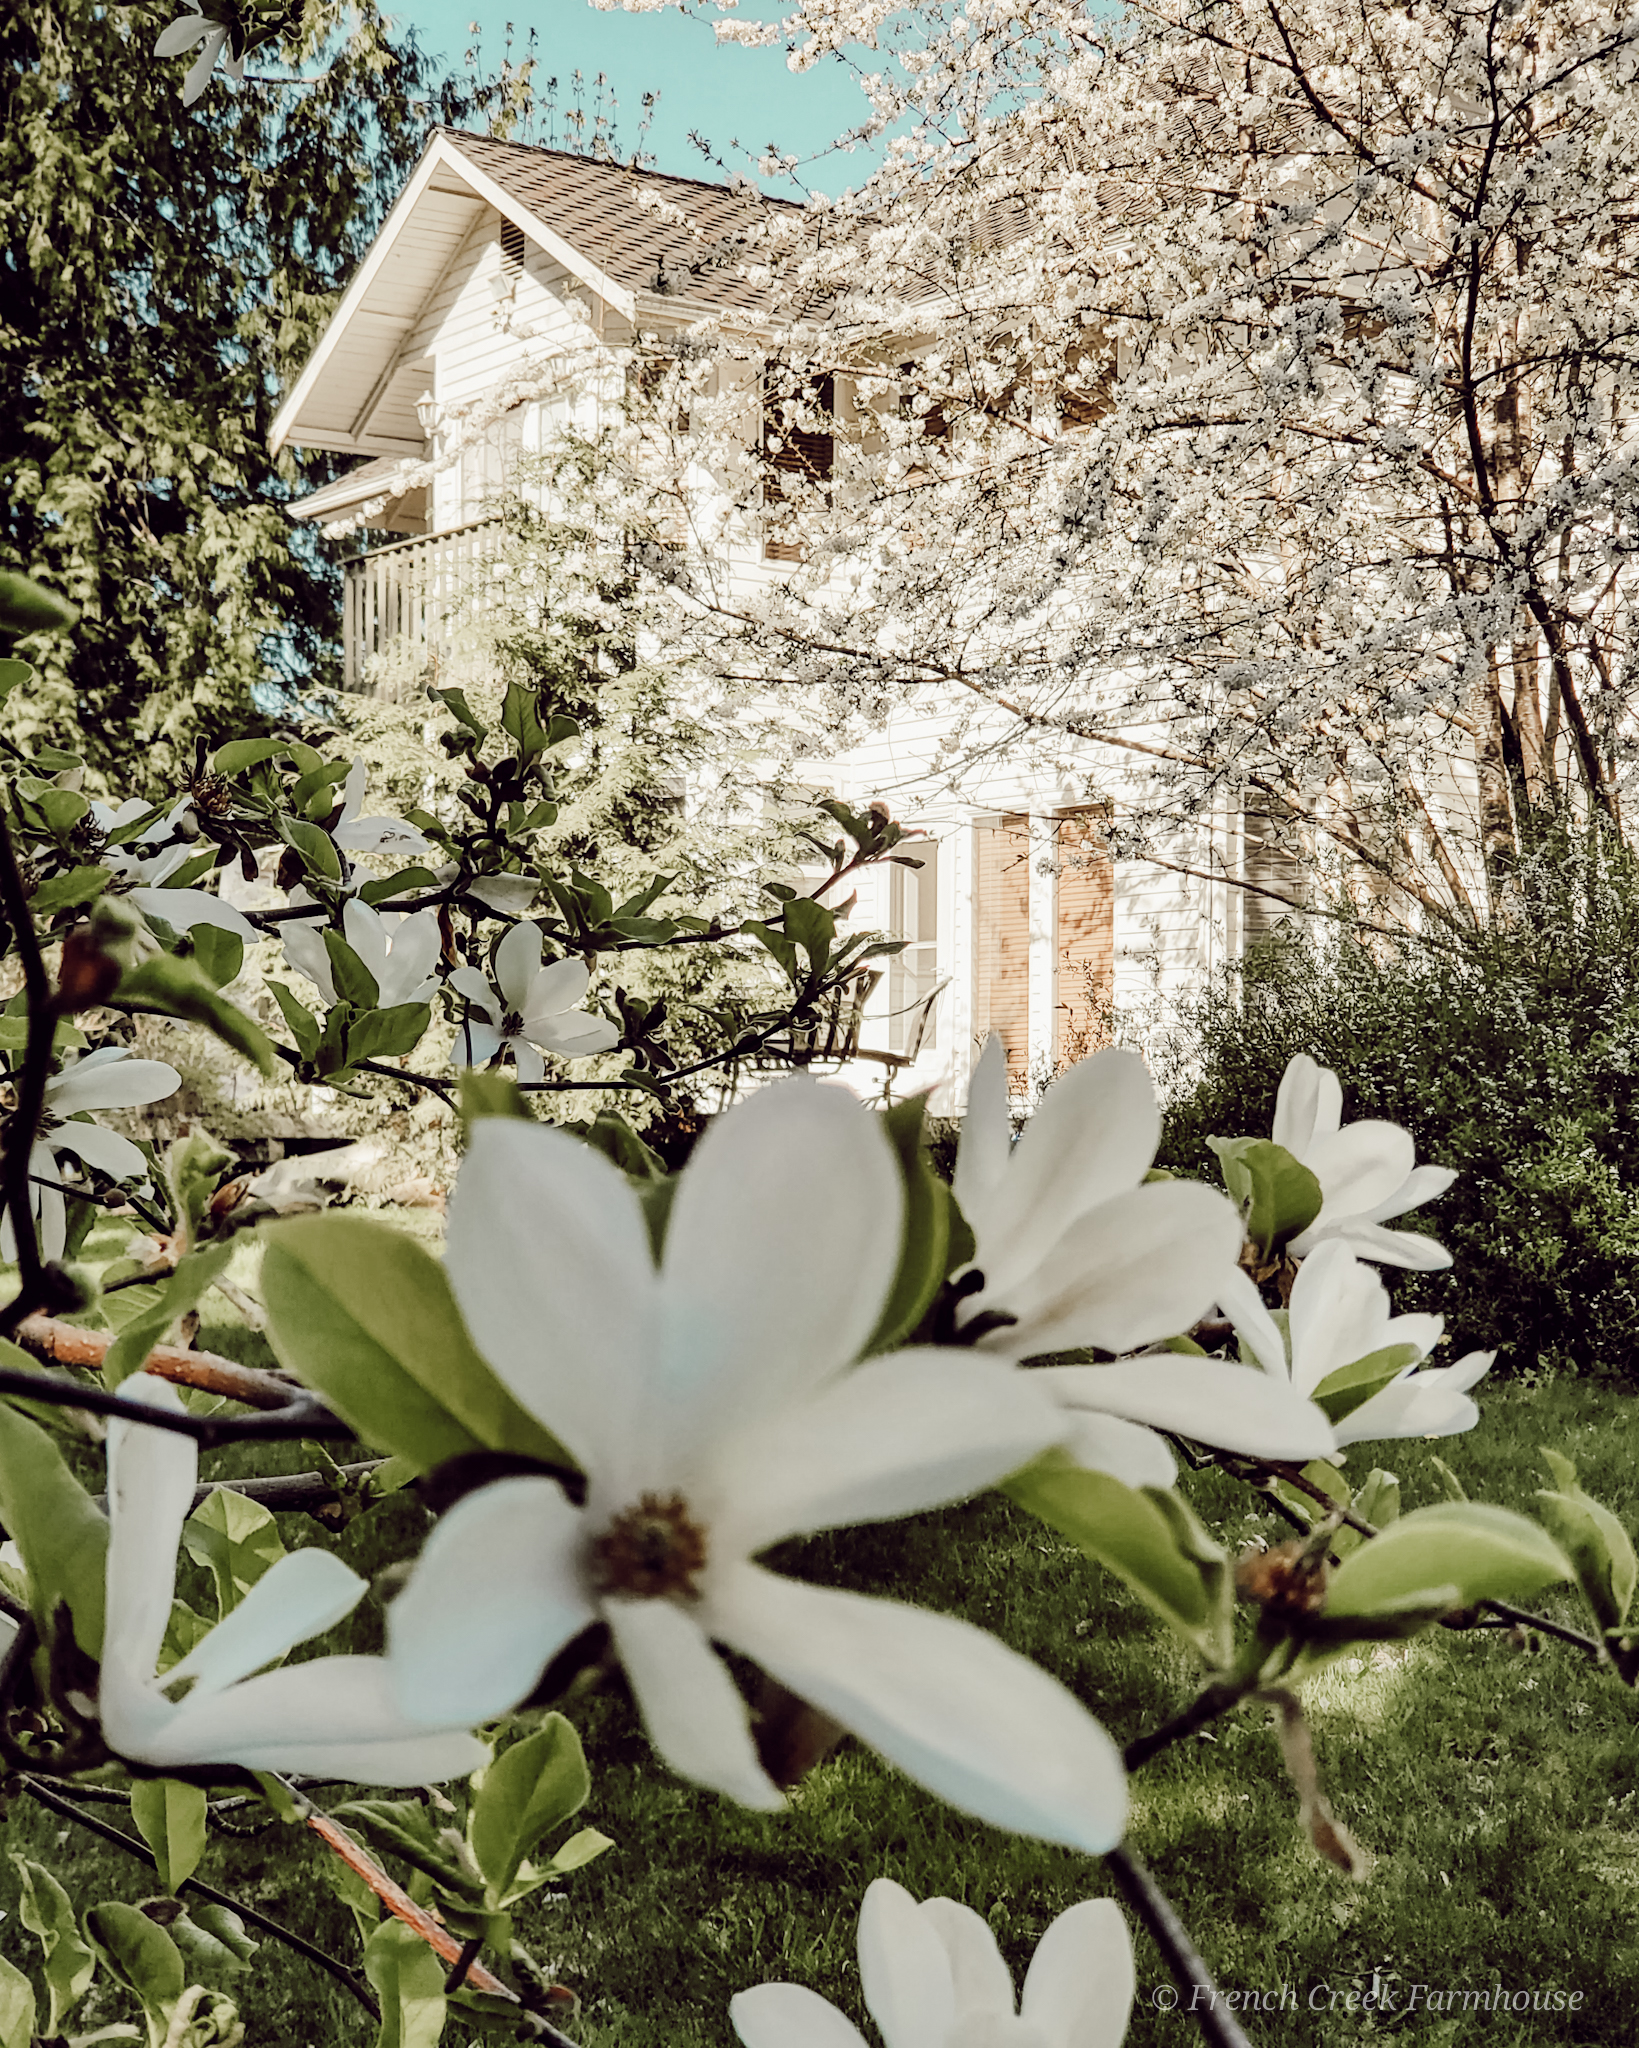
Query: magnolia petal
{"points": [[506, 895], [182, 909], [1410, 1407], [302, 1595], [1144, 1266], [1360, 1166], [1125, 1450], [1233, 1407], [982, 1981], [1422, 1184], [1339, 1312], [1092, 1140], [151, 1478], [784, 1194], [1297, 1103], [305, 950], [476, 1044], [172, 40], [332, 1717], [1424, 1331], [573, 1035], [1079, 1988], [408, 976], [980, 1727], [111, 1084], [364, 932], [558, 986], [494, 1594], [1407, 1249], [1254, 1325], [468, 982], [691, 1707], [987, 1137], [50, 1208], [107, 1151], [897, 1435], [531, 1067], [517, 963], [904, 1969], [549, 1258], [790, 2016]]}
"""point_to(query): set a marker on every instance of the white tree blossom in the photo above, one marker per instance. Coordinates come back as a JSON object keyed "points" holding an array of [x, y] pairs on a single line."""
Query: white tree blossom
{"points": [[400, 948], [533, 1010]]}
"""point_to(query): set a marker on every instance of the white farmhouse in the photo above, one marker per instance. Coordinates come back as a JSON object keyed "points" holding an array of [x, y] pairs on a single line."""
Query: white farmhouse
{"points": [[493, 308]]}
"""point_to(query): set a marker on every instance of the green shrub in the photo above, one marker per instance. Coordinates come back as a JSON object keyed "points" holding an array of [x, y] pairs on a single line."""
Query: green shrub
{"points": [[1510, 1052]]}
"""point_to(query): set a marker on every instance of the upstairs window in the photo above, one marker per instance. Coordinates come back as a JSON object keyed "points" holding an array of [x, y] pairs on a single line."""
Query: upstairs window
{"points": [[794, 450]]}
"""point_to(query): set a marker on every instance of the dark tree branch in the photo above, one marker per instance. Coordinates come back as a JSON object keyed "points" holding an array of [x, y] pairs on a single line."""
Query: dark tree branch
{"points": [[302, 1416], [17, 1200], [1205, 2004]]}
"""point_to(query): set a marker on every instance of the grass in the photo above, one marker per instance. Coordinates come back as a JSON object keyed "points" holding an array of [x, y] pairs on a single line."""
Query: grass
{"points": [[1494, 1783]]}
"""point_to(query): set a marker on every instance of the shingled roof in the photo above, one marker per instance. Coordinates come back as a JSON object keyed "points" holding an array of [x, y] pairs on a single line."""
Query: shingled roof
{"points": [[646, 230]]}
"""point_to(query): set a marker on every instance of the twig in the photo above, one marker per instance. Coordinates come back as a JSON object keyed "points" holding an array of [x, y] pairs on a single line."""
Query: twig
{"points": [[67, 1344], [300, 1417], [31, 1090], [1206, 2003], [1207, 1706], [273, 1928]]}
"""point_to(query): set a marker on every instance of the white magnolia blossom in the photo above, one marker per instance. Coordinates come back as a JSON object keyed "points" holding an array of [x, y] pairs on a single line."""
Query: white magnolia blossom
{"points": [[146, 874], [1080, 1251], [373, 835], [716, 1407], [400, 948], [189, 30], [934, 1978], [1339, 1314], [1368, 1172], [333, 1716], [534, 1010], [108, 1078]]}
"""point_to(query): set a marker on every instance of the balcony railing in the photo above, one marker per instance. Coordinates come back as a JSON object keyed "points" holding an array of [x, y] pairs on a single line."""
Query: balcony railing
{"points": [[407, 599]]}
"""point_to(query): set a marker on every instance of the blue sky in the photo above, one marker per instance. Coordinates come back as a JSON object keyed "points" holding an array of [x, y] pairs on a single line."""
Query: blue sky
{"points": [[729, 94]]}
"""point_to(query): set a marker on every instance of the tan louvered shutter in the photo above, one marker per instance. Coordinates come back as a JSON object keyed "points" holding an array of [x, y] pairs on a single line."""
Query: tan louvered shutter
{"points": [[1001, 940], [800, 454], [1084, 939]]}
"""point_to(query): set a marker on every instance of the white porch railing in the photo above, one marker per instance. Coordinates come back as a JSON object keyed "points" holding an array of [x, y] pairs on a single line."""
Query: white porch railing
{"points": [[409, 596]]}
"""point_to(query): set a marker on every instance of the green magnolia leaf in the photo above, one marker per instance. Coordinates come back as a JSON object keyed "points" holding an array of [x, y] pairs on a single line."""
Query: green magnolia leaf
{"points": [[1340, 1393], [401, 884], [53, 1521], [530, 1789], [304, 1026], [213, 1938], [47, 1912], [925, 1246], [61, 892], [28, 607], [238, 755], [813, 927], [577, 1852], [1149, 1539], [779, 945], [1377, 1502], [1277, 1194], [236, 1540], [314, 845], [220, 954], [456, 700], [404, 1827], [140, 1955], [354, 1894], [366, 1317], [1482, 1552], [166, 986], [486, 1094], [354, 983], [16, 2005], [181, 1292], [520, 720], [193, 1167], [1593, 1539], [409, 1980], [13, 675], [385, 1034], [170, 1817]]}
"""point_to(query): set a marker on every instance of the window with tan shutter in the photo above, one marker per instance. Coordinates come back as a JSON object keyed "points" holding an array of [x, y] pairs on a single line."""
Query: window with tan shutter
{"points": [[1001, 940], [1084, 936], [793, 451]]}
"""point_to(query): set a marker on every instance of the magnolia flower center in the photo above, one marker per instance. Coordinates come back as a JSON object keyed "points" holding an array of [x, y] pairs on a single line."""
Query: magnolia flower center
{"points": [[650, 1550], [512, 1025]]}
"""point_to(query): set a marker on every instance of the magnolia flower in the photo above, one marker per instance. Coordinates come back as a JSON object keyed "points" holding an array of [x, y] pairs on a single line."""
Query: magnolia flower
{"points": [[1077, 1251], [334, 1716], [212, 38], [1339, 1315], [400, 949], [534, 1012], [372, 835], [181, 909], [716, 1408], [1367, 1172], [934, 1978], [105, 1079]]}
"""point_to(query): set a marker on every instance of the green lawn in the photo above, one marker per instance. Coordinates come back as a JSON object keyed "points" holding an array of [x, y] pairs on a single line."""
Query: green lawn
{"points": [[1495, 1786]]}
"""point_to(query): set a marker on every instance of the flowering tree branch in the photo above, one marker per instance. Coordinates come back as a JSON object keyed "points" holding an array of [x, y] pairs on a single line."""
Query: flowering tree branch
{"points": [[60, 1343], [1167, 1931]]}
